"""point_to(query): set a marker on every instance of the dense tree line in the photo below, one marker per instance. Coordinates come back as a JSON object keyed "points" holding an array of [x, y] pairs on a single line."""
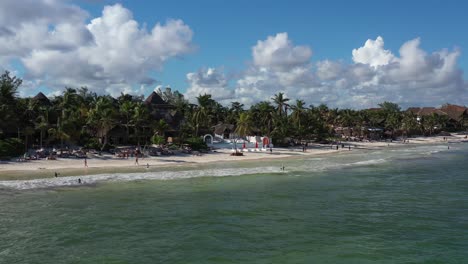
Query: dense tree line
{"points": [[81, 117]]}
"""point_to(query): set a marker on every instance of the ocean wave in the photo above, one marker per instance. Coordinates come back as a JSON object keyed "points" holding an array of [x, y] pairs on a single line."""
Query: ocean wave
{"points": [[70, 181], [366, 162]]}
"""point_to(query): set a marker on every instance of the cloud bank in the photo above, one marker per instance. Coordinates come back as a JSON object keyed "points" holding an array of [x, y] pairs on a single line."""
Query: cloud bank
{"points": [[415, 77], [112, 53], [54, 44]]}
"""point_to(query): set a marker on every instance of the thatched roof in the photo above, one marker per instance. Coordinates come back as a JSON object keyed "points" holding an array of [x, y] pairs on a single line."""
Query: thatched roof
{"points": [[40, 97], [221, 128], [454, 111], [429, 111], [425, 111], [155, 99], [414, 110]]}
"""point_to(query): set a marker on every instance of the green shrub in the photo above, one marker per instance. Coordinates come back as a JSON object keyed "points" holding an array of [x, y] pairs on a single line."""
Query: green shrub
{"points": [[196, 143], [92, 143], [11, 147], [158, 140]]}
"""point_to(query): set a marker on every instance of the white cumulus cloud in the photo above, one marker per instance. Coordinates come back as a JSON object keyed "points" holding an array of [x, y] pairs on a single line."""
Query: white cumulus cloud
{"points": [[208, 81], [279, 52], [112, 53], [414, 78], [373, 53]]}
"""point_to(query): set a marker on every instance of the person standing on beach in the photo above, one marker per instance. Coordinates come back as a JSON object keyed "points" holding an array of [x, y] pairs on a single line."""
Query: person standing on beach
{"points": [[136, 159], [86, 162]]}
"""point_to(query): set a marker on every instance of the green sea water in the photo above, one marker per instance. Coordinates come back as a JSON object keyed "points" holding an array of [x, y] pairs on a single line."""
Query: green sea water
{"points": [[402, 205]]}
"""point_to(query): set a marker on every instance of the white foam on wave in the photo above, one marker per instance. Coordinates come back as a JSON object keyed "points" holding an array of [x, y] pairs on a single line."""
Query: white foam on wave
{"points": [[367, 162], [161, 175]]}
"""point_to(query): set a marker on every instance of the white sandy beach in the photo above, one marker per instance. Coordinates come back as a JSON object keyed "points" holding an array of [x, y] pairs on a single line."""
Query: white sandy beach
{"points": [[220, 155]]}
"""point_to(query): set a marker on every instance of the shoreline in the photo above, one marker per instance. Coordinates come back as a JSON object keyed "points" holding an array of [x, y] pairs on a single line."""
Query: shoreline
{"points": [[43, 169]]}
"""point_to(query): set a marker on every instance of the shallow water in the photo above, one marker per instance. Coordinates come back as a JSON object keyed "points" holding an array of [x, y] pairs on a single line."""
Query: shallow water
{"points": [[396, 205]]}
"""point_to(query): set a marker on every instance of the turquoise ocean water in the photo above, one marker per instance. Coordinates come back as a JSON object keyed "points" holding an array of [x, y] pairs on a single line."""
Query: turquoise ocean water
{"points": [[395, 205]]}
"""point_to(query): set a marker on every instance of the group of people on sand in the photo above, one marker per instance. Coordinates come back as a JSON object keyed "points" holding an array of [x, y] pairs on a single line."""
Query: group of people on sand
{"points": [[136, 160], [127, 153]]}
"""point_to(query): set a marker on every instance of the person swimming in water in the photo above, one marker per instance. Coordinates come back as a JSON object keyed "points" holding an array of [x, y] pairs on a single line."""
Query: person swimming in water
{"points": [[79, 180]]}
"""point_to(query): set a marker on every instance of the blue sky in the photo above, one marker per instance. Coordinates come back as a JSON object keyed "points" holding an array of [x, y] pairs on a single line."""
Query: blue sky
{"points": [[225, 32]]}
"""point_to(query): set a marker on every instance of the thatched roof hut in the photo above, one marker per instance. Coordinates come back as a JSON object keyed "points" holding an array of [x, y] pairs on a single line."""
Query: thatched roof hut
{"points": [[155, 99], [223, 128], [454, 112], [42, 99], [425, 111]]}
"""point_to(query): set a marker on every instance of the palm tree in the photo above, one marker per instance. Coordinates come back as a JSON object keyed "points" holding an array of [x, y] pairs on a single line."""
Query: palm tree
{"points": [[429, 123], [346, 118], [28, 131], [42, 124], [8, 101], [59, 133], [441, 121], [68, 101], [281, 127], [67, 107], [409, 123], [8, 88], [234, 111], [202, 114], [243, 127], [464, 120], [160, 127], [281, 103], [263, 114], [237, 107], [102, 118], [298, 117], [139, 118], [106, 121], [393, 121], [126, 110]]}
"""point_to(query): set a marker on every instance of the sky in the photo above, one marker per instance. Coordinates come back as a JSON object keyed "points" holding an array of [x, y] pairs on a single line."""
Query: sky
{"points": [[347, 54]]}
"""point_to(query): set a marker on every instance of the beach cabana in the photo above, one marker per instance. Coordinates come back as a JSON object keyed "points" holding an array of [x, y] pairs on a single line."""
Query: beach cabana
{"points": [[224, 131]]}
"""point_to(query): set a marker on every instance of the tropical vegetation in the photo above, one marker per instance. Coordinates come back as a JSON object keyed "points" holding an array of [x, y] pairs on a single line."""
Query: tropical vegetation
{"points": [[80, 117]]}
